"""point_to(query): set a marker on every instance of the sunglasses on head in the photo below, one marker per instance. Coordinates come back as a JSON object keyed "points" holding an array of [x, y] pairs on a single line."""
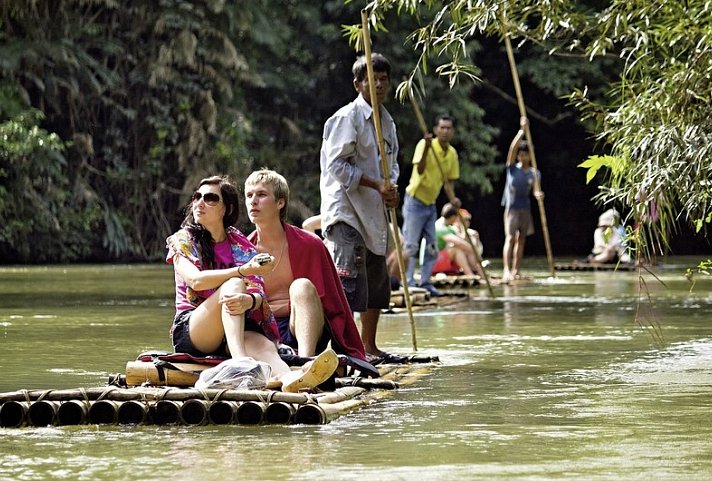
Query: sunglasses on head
{"points": [[210, 198]]}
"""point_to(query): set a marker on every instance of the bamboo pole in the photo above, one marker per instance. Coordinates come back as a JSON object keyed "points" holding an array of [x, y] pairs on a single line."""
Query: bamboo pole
{"points": [[386, 170], [450, 193], [528, 134]]}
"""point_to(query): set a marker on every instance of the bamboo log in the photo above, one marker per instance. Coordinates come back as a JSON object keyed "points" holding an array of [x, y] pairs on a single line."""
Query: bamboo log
{"points": [[366, 383], [103, 411], [13, 413], [251, 412], [139, 373], [324, 413], [42, 413], [194, 412], [279, 413], [132, 412], [223, 412], [166, 411], [341, 394], [153, 393], [72, 412], [310, 414]]}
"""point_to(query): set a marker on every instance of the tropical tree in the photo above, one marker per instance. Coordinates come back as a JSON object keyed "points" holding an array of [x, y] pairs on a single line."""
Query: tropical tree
{"points": [[143, 92], [33, 191]]}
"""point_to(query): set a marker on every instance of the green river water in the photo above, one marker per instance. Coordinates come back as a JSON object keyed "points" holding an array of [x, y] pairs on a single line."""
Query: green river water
{"points": [[550, 380]]}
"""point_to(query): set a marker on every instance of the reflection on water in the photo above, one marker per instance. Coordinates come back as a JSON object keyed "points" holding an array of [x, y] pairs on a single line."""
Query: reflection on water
{"points": [[550, 380]]}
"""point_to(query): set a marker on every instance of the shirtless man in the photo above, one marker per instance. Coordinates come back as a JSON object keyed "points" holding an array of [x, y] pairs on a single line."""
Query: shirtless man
{"points": [[303, 288]]}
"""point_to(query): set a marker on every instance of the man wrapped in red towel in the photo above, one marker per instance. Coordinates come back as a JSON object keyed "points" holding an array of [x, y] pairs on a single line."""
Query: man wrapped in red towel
{"points": [[303, 289]]}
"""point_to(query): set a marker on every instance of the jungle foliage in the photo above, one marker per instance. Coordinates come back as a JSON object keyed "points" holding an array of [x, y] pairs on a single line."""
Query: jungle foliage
{"points": [[110, 112]]}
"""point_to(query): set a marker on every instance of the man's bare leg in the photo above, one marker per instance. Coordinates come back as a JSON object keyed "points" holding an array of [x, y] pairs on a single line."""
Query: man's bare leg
{"points": [[507, 254], [518, 255], [306, 320], [369, 326]]}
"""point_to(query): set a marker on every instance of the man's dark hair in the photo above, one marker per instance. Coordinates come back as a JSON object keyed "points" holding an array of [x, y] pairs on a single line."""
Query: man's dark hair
{"points": [[380, 64], [445, 117], [523, 146]]}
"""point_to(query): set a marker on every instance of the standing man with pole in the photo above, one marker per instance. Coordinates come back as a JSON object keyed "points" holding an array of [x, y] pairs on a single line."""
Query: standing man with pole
{"points": [[453, 200], [527, 135], [354, 198], [419, 209], [518, 222]]}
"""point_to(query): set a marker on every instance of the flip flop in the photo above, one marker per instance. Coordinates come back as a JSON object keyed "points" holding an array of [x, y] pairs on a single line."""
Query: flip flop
{"points": [[311, 374], [389, 358], [365, 368], [385, 358], [373, 359]]}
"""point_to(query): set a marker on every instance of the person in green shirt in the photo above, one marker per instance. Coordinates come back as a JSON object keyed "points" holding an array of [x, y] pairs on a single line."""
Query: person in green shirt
{"points": [[435, 164], [455, 253]]}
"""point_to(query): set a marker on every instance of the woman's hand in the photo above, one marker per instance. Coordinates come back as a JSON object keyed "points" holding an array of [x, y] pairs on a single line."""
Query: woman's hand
{"points": [[260, 265], [237, 303]]}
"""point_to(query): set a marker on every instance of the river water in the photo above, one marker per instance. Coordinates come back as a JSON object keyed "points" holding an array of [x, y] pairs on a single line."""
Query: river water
{"points": [[558, 378]]}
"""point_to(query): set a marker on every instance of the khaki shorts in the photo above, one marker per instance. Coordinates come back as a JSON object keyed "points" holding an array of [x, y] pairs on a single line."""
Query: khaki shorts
{"points": [[363, 274], [518, 220]]}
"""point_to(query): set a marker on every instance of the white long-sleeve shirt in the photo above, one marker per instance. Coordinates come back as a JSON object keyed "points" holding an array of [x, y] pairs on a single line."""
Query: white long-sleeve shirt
{"points": [[349, 150]]}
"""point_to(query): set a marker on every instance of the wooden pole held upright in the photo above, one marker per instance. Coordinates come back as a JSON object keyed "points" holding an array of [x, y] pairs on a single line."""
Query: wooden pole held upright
{"points": [[386, 169]]}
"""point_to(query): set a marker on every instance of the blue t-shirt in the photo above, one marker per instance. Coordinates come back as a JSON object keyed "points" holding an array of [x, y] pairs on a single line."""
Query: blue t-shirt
{"points": [[517, 188]]}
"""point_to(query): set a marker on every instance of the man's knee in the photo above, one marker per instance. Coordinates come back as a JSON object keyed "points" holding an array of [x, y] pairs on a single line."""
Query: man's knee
{"points": [[411, 250], [302, 288]]}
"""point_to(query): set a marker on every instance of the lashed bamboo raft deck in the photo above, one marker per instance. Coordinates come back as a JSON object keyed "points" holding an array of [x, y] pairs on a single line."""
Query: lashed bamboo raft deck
{"points": [[422, 300], [587, 266], [454, 289], [464, 281], [189, 406]]}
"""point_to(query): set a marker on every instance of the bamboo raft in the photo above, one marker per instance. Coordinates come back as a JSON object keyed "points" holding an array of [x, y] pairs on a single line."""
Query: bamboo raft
{"points": [[462, 280], [593, 266], [420, 299], [170, 405]]}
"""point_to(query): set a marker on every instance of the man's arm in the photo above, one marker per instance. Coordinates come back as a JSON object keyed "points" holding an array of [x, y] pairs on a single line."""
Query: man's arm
{"points": [[422, 162], [389, 193], [512, 154], [338, 147], [449, 187]]}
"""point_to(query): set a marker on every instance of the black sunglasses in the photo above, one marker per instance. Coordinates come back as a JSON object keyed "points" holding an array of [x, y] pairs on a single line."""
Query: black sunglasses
{"points": [[209, 198]]}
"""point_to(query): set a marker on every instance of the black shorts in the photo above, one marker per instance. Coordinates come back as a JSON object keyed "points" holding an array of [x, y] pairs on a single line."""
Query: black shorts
{"points": [[180, 336]]}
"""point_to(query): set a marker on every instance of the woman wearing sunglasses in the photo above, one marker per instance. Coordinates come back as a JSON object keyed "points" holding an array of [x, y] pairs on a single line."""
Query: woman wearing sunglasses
{"points": [[220, 299]]}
